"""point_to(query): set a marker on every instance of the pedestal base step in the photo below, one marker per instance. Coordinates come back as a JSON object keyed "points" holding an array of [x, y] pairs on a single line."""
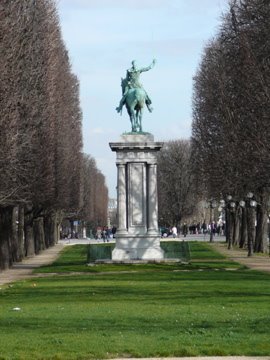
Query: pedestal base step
{"points": [[156, 261], [120, 254]]}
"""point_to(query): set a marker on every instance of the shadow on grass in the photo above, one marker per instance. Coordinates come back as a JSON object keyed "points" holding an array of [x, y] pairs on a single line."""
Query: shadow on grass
{"points": [[158, 287]]}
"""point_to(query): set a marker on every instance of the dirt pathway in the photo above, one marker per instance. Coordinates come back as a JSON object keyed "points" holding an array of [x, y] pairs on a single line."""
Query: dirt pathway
{"points": [[257, 261], [24, 269]]}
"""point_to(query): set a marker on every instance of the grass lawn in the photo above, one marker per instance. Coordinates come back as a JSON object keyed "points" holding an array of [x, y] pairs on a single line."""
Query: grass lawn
{"points": [[208, 307]]}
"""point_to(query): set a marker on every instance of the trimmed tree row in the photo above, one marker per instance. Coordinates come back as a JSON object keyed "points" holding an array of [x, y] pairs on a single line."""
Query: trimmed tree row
{"points": [[41, 159], [231, 127]]}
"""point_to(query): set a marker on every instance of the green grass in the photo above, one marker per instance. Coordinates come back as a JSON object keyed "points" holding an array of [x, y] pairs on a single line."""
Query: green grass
{"points": [[74, 259], [148, 310], [172, 250], [100, 252], [201, 250], [176, 250]]}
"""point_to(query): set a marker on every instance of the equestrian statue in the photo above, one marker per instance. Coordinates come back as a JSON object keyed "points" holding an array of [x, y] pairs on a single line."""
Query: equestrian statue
{"points": [[134, 96]]}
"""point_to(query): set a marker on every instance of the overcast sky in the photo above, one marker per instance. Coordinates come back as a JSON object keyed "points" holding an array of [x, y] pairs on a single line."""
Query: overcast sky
{"points": [[104, 36]]}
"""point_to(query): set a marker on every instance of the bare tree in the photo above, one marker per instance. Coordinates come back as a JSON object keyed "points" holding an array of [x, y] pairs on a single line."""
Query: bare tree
{"points": [[231, 129], [95, 195], [175, 192], [41, 140]]}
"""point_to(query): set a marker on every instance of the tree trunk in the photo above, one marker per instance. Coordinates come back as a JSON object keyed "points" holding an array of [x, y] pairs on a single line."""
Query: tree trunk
{"points": [[227, 225], [269, 232], [72, 228], [39, 237], [28, 232], [251, 214], [51, 227], [5, 237], [59, 218], [237, 221], [230, 227], [262, 217], [14, 243], [21, 247], [243, 236]]}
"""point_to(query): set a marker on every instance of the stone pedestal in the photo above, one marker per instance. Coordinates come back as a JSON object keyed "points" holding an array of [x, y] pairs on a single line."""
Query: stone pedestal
{"points": [[137, 235]]}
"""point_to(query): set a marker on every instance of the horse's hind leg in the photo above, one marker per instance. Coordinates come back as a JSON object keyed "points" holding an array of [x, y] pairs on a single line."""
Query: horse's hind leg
{"points": [[136, 120], [139, 122], [140, 114]]}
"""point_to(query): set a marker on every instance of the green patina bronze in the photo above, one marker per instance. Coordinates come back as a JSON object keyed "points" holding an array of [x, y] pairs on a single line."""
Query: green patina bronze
{"points": [[134, 96]]}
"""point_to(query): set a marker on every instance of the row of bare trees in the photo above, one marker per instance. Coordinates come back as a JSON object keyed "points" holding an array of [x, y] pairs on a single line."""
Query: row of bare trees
{"points": [[41, 157], [176, 196], [231, 127], [95, 195]]}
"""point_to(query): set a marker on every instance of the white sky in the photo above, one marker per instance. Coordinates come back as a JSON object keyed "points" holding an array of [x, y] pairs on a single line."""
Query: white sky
{"points": [[104, 36]]}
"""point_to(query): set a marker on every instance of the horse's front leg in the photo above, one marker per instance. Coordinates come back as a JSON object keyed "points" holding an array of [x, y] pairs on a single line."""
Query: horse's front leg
{"points": [[136, 120], [133, 122], [133, 126], [131, 118]]}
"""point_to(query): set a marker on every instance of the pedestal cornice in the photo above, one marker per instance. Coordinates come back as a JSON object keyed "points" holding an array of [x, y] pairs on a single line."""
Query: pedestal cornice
{"points": [[127, 146]]}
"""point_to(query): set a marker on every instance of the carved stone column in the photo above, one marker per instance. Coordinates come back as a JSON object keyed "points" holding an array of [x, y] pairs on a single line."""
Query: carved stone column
{"points": [[121, 199], [152, 200]]}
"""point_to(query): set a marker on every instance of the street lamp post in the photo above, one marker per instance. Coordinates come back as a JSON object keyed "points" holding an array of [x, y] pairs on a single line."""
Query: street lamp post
{"points": [[243, 233], [251, 213], [229, 205], [269, 230], [268, 224]]}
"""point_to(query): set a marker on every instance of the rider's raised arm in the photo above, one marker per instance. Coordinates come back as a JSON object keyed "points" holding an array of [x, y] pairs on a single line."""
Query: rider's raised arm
{"points": [[148, 67]]}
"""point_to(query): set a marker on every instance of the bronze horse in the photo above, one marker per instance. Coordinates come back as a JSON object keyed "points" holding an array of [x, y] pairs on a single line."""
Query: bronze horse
{"points": [[135, 101]]}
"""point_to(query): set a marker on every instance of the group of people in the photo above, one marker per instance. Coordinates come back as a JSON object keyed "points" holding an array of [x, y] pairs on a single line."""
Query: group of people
{"points": [[204, 228], [217, 228], [105, 233]]}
